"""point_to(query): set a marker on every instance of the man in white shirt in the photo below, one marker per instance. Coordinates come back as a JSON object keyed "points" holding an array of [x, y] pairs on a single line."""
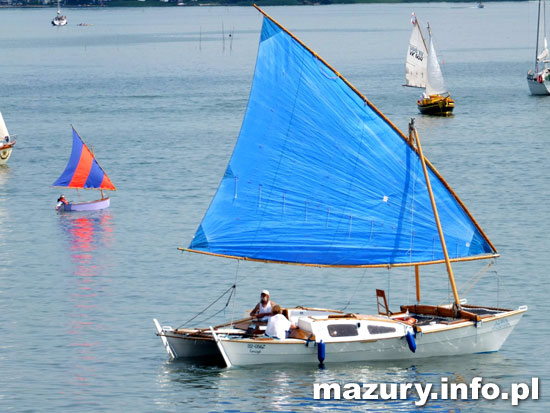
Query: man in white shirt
{"points": [[264, 308], [278, 325]]}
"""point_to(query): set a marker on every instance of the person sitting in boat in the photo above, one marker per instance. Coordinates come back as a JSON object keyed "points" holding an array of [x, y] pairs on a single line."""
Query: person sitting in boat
{"points": [[278, 325], [63, 200], [263, 309]]}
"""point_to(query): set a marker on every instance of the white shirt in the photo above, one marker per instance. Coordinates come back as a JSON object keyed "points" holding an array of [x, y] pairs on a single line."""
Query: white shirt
{"points": [[277, 326], [263, 310]]}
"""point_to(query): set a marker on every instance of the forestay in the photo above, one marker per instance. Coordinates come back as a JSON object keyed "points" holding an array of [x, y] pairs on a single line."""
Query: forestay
{"points": [[83, 171], [319, 177]]}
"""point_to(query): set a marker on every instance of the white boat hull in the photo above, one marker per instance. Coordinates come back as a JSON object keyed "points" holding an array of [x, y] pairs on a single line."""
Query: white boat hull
{"points": [[59, 21], [5, 153], [465, 337], [185, 347], [536, 87], [441, 341]]}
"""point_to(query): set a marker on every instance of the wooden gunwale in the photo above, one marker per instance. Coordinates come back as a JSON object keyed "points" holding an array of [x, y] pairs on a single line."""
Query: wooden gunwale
{"points": [[488, 308], [90, 202], [467, 323], [265, 340], [184, 337], [7, 145]]}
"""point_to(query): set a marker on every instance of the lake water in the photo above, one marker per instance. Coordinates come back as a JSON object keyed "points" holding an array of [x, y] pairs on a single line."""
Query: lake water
{"points": [[160, 95]]}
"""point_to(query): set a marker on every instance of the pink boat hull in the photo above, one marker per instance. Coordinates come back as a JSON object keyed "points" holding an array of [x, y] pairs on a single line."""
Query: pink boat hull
{"points": [[84, 206]]}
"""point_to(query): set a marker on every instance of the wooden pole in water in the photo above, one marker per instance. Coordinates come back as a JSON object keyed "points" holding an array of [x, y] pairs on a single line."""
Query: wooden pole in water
{"points": [[223, 37], [436, 217]]}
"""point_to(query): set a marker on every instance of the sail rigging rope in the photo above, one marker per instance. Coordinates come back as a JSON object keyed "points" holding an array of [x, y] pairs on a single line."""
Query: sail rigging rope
{"points": [[235, 291], [474, 279], [478, 276], [232, 289], [355, 291]]}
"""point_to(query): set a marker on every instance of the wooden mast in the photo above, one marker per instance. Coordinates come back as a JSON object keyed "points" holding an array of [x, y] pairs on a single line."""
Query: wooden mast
{"points": [[436, 217], [417, 278], [416, 267]]}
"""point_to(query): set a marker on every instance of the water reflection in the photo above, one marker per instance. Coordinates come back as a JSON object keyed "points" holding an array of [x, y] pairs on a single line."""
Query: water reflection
{"points": [[89, 238], [290, 387]]}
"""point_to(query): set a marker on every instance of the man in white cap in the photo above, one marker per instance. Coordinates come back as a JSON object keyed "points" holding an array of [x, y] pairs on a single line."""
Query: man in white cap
{"points": [[264, 308]]}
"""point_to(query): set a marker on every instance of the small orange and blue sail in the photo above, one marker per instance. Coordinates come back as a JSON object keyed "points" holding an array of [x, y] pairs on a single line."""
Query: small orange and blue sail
{"points": [[83, 171]]}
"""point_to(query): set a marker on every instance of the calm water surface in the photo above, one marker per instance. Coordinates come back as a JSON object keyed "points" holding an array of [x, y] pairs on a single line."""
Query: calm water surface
{"points": [[160, 95]]}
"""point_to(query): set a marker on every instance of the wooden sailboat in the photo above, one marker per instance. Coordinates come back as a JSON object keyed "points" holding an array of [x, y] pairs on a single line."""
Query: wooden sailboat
{"points": [[7, 142], [83, 172], [423, 71], [380, 204], [539, 79]]}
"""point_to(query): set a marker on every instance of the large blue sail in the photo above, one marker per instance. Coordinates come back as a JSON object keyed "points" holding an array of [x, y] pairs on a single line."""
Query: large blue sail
{"points": [[319, 177]]}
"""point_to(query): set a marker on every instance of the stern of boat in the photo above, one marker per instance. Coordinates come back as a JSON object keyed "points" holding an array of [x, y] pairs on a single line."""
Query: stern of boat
{"points": [[538, 83], [440, 331], [191, 344]]}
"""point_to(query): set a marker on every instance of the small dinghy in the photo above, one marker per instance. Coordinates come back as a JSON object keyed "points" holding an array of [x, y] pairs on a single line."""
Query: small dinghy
{"points": [[83, 172], [7, 142]]}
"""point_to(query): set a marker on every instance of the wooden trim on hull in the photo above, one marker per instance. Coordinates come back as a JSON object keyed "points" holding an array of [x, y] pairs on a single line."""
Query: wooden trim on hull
{"points": [[466, 323], [436, 105], [436, 109]]}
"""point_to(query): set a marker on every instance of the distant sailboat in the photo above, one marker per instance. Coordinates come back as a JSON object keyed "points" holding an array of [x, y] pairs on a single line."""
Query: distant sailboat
{"points": [[83, 172], [7, 142], [422, 70], [329, 181], [539, 80], [416, 65], [59, 19]]}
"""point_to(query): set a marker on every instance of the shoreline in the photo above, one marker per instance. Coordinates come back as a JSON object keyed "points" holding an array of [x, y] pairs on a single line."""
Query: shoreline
{"points": [[232, 3]]}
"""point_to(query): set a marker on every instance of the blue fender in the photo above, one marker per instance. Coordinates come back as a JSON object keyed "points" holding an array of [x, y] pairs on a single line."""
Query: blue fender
{"points": [[411, 341], [321, 352]]}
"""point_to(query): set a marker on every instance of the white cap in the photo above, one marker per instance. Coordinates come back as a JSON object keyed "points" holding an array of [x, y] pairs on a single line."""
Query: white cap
{"points": [[265, 292]]}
